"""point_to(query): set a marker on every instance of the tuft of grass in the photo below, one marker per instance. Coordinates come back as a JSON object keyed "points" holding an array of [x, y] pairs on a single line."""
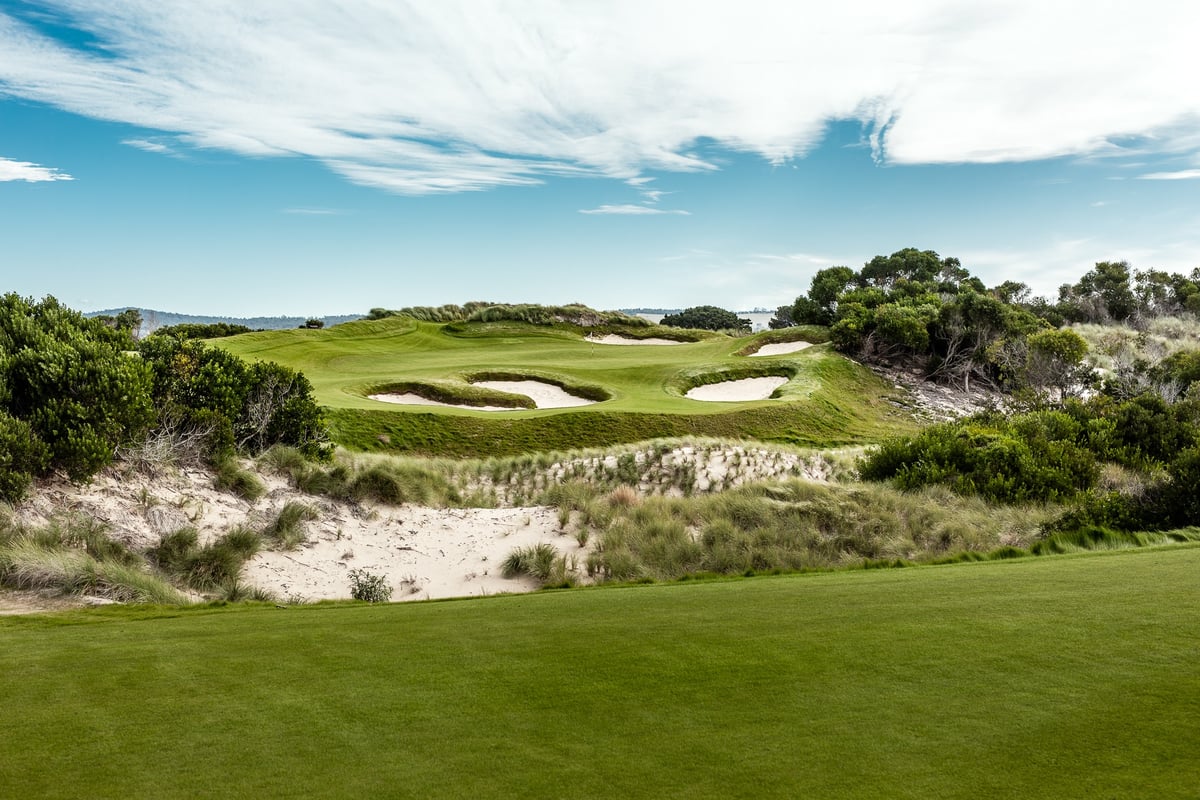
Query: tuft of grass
{"points": [[211, 567], [233, 478], [536, 561], [287, 531]]}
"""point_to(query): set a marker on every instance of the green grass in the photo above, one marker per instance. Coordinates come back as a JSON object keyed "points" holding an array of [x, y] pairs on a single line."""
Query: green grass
{"points": [[828, 401], [1064, 677]]}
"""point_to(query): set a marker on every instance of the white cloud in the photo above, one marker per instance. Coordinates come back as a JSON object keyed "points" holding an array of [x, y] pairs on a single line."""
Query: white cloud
{"points": [[148, 145], [31, 173], [454, 96], [1180, 175], [630, 208]]}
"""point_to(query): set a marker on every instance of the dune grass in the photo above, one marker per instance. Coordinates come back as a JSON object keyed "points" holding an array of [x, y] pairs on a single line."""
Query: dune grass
{"points": [[1070, 677], [828, 401]]}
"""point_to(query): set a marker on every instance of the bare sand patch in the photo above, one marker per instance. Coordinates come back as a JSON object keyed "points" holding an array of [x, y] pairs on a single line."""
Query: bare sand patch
{"points": [[423, 553], [737, 391], [782, 348], [613, 338], [544, 395]]}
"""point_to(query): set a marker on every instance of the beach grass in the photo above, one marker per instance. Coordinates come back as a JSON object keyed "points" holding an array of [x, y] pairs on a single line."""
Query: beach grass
{"points": [[1064, 677]]}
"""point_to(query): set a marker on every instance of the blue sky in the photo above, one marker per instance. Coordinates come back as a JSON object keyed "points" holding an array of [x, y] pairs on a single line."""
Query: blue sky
{"points": [[300, 157]]}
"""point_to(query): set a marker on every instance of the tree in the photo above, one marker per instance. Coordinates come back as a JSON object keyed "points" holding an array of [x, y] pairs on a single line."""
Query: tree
{"points": [[710, 318]]}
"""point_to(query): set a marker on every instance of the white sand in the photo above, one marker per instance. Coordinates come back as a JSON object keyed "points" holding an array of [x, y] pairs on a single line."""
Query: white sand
{"points": [[780, 349], [612, 338], [423, 552], [544, 395], [737, 391], [410, 399]]}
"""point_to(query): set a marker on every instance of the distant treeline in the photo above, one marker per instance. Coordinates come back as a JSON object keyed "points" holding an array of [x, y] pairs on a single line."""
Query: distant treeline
{"points": [[531, 313]]}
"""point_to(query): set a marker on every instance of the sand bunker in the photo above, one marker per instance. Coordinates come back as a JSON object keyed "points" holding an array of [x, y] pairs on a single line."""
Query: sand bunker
{"points": [[544, 395], [409, 399], [612, 338], [780, 349], [737, 391]]}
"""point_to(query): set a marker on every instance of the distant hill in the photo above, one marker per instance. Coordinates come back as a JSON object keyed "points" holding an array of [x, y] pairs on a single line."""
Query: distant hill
{"points": [[152, 320]]}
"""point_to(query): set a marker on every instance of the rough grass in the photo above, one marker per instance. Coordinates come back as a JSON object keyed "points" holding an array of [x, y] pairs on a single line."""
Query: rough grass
{"points": [[1061, 678], [795, 525], [74, 555], [286, 531], [829, 400]]}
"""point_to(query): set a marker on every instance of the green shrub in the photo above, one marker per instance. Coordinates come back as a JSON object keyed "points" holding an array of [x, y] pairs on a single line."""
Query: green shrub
{"points": [[369, 588], [22, 456]]}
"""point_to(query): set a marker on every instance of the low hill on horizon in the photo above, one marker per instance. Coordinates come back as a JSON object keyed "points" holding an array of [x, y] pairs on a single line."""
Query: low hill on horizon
{"points": [[153, 319]]}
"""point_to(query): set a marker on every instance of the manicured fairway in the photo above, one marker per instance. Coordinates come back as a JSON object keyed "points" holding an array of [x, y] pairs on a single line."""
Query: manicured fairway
{"points": [[1064, 677], [828, 399]]}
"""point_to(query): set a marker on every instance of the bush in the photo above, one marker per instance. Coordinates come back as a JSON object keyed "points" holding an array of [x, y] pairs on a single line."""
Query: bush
{"points": [[22, 456], [369, 588], [709, 318]]}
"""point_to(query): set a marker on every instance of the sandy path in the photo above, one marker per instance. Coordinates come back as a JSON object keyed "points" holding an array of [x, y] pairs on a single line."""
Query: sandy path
{"points": [[780, 349], [737, 391], [612, 338], [544, 395]]}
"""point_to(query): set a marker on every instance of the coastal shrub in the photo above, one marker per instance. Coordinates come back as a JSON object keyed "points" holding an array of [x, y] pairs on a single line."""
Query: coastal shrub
{"points": [[22, 456], [369, 588]]}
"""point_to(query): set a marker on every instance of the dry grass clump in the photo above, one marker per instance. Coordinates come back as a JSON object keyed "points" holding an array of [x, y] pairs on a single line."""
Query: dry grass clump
{"points": [[794, 525], [74, 555]]}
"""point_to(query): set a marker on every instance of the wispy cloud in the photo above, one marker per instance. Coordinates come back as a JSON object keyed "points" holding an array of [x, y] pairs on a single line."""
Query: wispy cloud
{"points": [[630, 208], [32, 173], [149, 145], [1179, 175], [458, 96]]}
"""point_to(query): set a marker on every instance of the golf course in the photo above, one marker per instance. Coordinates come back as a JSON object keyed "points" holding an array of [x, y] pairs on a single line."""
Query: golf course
{"points": [[638, 392]]}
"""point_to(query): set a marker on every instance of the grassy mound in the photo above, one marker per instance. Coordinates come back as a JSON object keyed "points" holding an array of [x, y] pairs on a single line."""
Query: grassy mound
{"points": [[829, 400], [963, 681]]}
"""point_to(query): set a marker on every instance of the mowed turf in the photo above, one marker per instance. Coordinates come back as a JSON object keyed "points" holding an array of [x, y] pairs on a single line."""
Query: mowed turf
{"points": [[829, 399], [1065, 677]]}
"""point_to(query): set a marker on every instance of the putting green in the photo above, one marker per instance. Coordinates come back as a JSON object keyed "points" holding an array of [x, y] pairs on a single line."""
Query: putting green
{"points": [[827, 399]]}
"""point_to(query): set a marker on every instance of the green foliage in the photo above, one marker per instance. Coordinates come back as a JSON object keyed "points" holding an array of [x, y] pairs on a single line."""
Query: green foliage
{"points": [[263, 403], [369, 588], [22, 456], [71, 380], [195, 330], [709, 318], [1031, 457]]}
